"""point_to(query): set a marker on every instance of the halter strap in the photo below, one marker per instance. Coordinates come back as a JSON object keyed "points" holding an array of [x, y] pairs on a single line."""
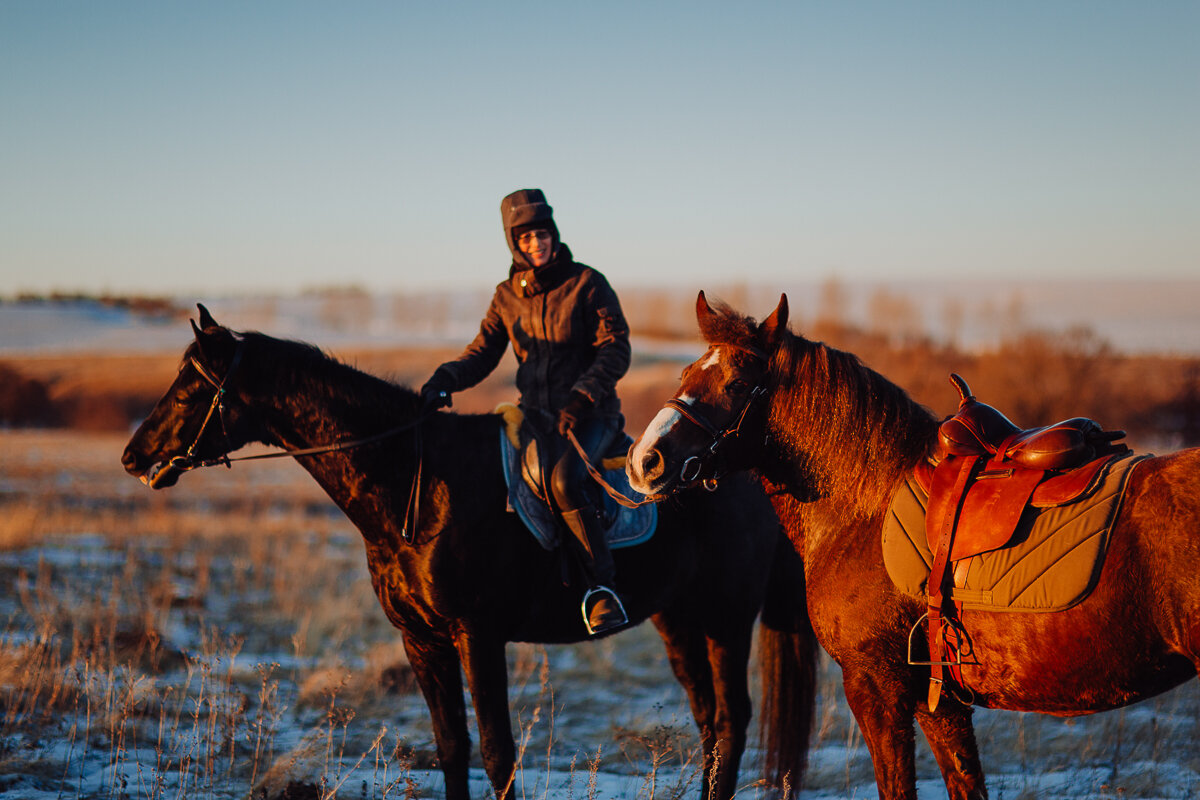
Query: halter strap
{"points": [[693, 467], [216, 407]]}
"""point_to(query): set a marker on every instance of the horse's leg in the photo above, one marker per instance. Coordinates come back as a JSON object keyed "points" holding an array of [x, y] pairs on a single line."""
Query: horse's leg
{"points": [[435, 667], [729, 657], [951, 736], [884, 706], [686, 651], [714, 676], [487, 677]]}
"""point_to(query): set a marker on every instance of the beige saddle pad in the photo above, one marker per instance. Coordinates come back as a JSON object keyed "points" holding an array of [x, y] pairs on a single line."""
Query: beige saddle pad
{"points": [[1051, 562]]}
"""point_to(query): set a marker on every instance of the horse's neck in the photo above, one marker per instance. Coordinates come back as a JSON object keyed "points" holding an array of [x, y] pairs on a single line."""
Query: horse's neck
{"points": [[313, 415], [844, 432]]}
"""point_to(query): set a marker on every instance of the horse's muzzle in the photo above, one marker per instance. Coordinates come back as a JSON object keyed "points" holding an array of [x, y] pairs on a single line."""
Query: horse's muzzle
{"points": [[645, 467], [164, 475], [156, 476]]}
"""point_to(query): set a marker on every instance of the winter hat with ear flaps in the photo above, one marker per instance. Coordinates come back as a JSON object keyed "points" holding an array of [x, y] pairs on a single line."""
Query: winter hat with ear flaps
{"points": [[524, 210]]}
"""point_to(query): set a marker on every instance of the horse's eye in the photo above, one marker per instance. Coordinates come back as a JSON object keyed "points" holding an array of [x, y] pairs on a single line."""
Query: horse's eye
{"points": [[737, 386]]}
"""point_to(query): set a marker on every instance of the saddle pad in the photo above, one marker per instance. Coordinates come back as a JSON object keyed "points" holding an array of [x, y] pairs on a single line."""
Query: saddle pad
{"points": [[632, 525], [1053, 564]]}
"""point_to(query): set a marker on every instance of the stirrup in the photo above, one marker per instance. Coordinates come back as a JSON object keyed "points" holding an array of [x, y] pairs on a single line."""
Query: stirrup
{"points": [[606, 626]]}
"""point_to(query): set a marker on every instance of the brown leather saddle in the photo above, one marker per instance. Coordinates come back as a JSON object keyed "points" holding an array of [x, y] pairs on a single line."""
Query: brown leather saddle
{"points": [[984, 473]]}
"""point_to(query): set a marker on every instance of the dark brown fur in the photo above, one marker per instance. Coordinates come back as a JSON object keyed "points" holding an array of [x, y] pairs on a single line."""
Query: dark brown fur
{"points": [[474, 578], [839, 437]]}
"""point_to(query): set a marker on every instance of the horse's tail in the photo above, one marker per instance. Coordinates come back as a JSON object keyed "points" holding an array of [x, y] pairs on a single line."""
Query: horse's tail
{"points": [[787, 655]]}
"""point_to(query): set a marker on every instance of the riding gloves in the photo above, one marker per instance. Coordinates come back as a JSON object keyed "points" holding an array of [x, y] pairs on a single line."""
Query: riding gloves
{"points": [[435, 393], [576, 407]]}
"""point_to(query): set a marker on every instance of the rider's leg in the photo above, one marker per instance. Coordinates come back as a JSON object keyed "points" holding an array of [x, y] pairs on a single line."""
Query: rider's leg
{"points": [[569, 483]]}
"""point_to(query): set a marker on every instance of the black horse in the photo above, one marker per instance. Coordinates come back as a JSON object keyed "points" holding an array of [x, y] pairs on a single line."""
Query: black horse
{"points": [[467, 577]]}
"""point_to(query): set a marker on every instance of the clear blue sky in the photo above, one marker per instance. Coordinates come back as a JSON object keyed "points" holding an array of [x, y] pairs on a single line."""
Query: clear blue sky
{"points": [[222, 146]]}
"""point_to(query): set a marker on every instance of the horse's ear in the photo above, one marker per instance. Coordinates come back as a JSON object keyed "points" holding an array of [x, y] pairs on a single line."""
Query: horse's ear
{"points": [[212, 339], [206, 319], [775, 325], [703, 310]]}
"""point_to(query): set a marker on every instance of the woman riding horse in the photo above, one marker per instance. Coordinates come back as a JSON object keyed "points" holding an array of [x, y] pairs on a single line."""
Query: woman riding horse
{"points": [[572, 346]]}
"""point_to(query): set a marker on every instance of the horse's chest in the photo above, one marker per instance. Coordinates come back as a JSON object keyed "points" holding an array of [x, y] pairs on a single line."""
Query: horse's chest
{"points": [[402, 595]]}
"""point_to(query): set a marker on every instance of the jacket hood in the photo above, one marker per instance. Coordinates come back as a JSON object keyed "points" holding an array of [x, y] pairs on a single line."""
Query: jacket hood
{"points": [[521, 210]]}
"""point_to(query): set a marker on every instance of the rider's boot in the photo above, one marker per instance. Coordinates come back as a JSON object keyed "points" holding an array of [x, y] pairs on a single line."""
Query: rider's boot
{"points": [[602, 609]]}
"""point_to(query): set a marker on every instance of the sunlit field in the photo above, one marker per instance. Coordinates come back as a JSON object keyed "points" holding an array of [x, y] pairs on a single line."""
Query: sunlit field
{"points": [[221, 639]]}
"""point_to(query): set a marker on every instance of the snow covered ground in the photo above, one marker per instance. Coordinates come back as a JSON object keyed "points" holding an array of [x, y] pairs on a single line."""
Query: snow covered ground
{"points": [[273, 666], [273, 653]]}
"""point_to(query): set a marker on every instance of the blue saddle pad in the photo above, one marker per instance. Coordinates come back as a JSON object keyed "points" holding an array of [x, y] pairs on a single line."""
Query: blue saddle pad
{"points": [[632, 526]]}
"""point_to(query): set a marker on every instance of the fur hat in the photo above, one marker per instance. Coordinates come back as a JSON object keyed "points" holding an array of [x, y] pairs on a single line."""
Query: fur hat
{"points": [[526, 210]]}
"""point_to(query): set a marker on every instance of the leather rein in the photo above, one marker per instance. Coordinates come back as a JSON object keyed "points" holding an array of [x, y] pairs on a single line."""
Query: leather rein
{"points": [[188, 461], [690, 472]]}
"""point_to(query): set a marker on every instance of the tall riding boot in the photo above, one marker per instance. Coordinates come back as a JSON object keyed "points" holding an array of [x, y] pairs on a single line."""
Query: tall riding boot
{"points": [[602, 609]]}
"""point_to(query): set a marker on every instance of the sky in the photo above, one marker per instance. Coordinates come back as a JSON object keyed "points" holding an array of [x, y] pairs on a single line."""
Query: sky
{"points": [[205, 147]]}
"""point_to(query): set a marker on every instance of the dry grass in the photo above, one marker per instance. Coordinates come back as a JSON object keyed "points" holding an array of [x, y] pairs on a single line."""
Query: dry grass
{"points": [[219, 637], [222, 638]]}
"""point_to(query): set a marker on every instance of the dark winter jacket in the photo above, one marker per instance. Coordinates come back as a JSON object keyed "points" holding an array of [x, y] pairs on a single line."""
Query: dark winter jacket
{"points": [[567, 332]]}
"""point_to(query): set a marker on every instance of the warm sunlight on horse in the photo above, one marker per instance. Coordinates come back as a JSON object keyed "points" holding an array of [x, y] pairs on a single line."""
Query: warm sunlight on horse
{"points": [[836, 442]]}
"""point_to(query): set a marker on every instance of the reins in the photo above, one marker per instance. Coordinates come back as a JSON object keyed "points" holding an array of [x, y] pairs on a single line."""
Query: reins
{"points": [[188, 461], [307, 451], [692, 468], [598, 477]]}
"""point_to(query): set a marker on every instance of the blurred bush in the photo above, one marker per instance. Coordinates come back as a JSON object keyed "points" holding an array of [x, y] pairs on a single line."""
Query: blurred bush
{"points": [[24, 401], [1034, 377]]}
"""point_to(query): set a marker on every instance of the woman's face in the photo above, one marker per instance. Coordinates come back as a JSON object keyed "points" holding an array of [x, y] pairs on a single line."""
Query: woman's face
{"points": [[535, 245]]}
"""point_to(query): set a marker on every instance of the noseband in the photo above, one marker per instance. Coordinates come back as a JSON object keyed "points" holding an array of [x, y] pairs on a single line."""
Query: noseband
{"points": [[694, 467]]}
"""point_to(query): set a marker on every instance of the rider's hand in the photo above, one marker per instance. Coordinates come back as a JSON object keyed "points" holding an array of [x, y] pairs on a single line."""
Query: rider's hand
{"points": [[435, 393], [575, 408], [433, 399]]}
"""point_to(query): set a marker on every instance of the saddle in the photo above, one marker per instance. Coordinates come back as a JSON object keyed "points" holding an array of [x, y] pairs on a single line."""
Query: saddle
{"points": [[529, 499], [984, 473]]}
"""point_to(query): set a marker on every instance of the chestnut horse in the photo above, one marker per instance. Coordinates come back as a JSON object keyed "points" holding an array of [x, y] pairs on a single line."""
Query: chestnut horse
{"points": [[836, 440], [467, 577]]}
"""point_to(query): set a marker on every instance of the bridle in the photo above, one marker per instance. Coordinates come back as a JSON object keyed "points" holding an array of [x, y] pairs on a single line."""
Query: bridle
{"points": [[216, 408], [694, 467], [188, 460]]}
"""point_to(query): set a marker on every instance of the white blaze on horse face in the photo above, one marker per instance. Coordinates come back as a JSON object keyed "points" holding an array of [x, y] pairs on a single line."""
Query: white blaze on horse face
{"points": [[713, 359], [659, 427]]}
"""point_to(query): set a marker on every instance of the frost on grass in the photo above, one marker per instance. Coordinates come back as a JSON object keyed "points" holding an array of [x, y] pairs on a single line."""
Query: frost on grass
{"points": [[223, 641]]}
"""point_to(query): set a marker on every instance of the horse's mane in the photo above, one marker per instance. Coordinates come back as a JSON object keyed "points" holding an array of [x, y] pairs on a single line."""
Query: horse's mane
{"points": [[298, 369], [854, 433]]}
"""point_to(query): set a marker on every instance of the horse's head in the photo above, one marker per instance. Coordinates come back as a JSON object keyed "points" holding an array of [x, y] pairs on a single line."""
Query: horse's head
{"points": [[198, 418], [713, 422]]}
